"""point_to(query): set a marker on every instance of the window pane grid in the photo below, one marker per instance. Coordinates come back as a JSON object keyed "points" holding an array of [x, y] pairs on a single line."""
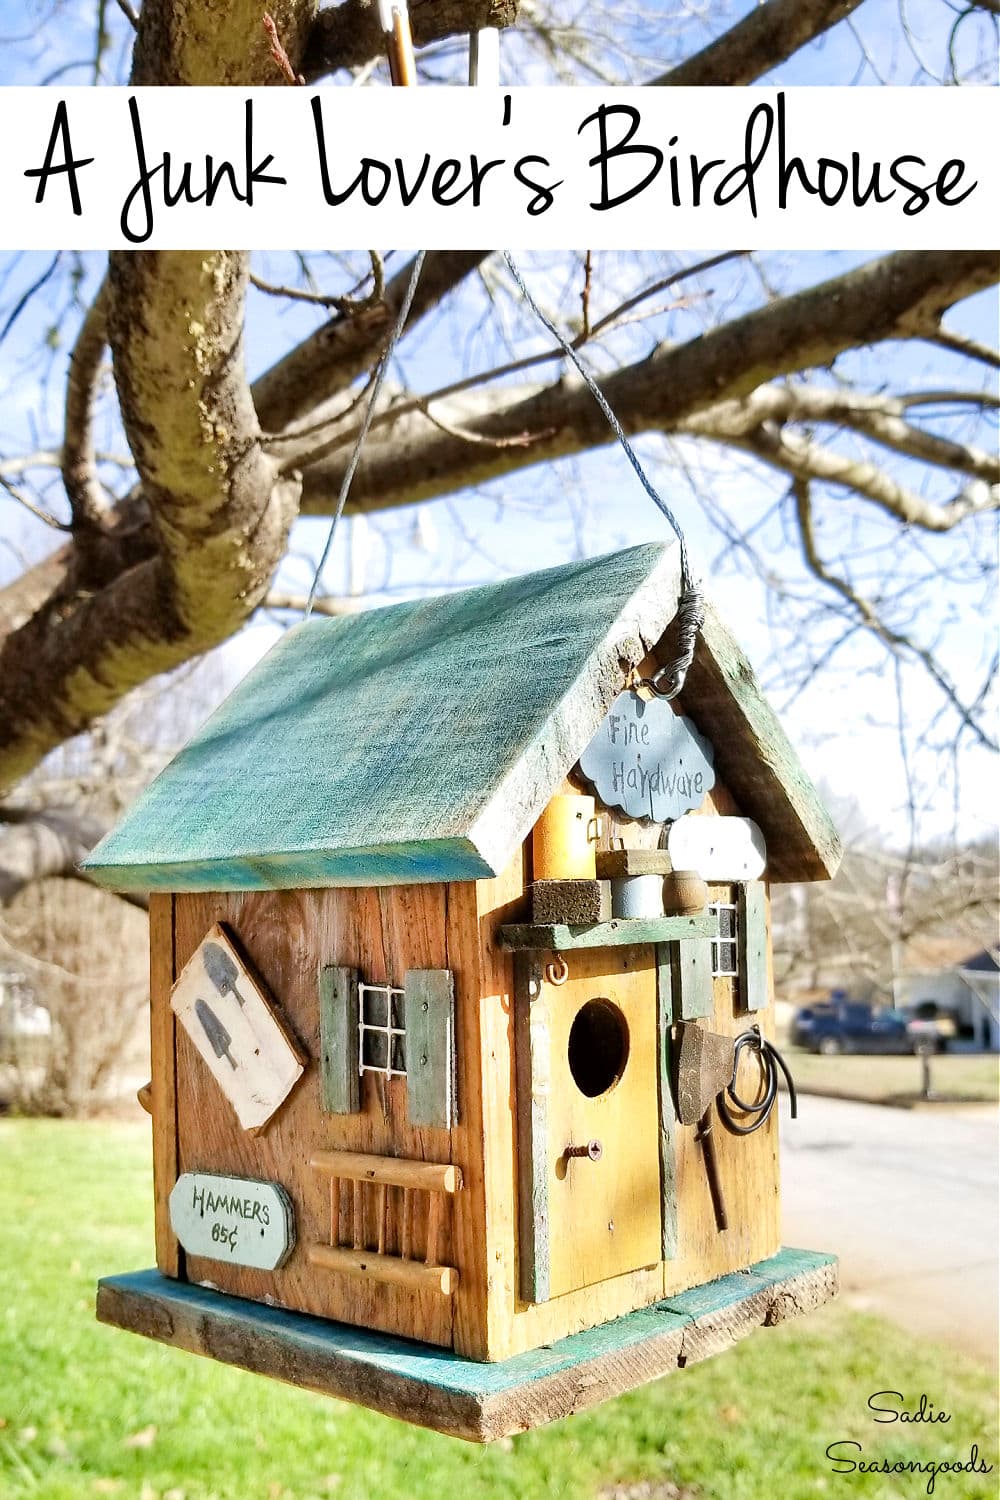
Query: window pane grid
{"points": [[381, 1034], [724, 962]]}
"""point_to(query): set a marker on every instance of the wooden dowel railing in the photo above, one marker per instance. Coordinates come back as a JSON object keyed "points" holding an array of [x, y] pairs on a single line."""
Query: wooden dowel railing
{"points": [[358, 1216], [406, 1239], [409, 1273], [334, 1210], [434, 1213], [353, 1166]]}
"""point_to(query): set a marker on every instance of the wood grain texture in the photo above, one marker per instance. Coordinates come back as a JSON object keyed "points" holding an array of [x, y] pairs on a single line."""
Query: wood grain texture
{"points": [[747, 1165], [288, 936], [323, 766], [163, 1084], [391, 1171], [411, 1275], [465, 1398], [626, 931], [604, 1216], [485, 1136], [345, 816]]}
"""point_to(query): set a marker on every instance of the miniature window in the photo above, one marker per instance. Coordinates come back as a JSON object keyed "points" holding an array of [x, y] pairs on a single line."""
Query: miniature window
{"points": [[724, 964], [381, 1031]]}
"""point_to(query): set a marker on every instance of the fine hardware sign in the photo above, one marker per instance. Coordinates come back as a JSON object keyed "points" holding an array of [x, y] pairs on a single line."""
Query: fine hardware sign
{"points": [[648, 760]]}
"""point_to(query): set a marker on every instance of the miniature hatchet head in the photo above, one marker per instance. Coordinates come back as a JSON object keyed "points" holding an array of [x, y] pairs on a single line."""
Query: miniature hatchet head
{"points": [[704, 1067]]}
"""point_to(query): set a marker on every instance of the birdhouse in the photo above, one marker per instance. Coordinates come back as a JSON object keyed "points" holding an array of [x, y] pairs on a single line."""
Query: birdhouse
{"points": [[463, 1093]]}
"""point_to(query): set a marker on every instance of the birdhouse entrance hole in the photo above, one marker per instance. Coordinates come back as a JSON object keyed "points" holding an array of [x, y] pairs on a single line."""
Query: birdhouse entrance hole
{"points": [[598, 1047]]}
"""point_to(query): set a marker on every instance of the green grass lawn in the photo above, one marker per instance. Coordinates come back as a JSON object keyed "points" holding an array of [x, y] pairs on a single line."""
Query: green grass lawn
{"points": [[88, 1411], [975, 1076]]}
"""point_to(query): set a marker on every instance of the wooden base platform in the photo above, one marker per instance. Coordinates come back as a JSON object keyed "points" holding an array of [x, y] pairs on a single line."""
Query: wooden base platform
{"points": [[437, 1389]]}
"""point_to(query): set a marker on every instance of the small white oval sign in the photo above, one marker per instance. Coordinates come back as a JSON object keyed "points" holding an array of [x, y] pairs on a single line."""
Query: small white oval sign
{"points": [[718, 848], [233, 1218]]}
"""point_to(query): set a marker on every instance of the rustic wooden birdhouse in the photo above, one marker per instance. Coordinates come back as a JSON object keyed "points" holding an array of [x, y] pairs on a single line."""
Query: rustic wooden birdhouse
{"points": [[459, 952]]}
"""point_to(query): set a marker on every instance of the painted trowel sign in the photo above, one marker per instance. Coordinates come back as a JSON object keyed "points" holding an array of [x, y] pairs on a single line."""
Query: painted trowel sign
{"points": [[231, 1022]]}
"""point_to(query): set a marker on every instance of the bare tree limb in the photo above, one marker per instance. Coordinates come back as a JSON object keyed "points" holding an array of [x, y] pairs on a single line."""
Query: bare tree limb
{"points": [[406, 463], [349, 35], [329, 360], [83, 490], [896, 640], [766, 36]]}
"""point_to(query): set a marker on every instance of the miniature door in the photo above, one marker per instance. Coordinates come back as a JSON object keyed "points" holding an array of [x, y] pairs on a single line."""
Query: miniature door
{"points": [[588, 1119]]}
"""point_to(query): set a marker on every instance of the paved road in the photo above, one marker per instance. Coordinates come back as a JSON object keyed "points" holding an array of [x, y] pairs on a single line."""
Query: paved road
{"points": [[908, 1200]]}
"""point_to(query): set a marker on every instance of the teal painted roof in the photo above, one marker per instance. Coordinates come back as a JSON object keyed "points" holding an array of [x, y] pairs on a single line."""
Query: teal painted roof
{"points": [[420, 742], [416, 742]]}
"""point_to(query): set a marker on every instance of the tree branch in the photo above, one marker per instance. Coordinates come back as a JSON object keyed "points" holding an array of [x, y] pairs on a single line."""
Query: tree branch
{"points": [[349, 35], [83, 490], [895, 640], [328, 361], [766, 36], [407, 462]]}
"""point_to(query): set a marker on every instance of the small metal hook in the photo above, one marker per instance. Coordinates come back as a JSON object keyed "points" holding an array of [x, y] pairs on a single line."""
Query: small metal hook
{"points": [[557, 972]]}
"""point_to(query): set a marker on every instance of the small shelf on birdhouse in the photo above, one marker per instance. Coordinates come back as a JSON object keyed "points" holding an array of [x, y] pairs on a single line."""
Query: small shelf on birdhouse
{"points": [[553, 938]]}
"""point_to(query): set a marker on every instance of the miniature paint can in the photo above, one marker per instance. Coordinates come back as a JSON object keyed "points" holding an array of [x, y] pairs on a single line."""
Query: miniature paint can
{"points": [[564, 842], [684, 893], [637, 896]]}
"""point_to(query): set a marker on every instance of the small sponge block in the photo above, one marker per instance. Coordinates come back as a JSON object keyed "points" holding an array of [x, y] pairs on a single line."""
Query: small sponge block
{"points": [[613, 864], [575, 903]]}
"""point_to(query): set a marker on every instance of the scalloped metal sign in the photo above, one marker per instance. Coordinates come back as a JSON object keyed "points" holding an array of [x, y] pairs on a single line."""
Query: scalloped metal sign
{"points": [[649, 761]]}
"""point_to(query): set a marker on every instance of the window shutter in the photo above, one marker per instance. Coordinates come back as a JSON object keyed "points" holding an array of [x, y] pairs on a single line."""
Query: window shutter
{"points": [[429, 1008], [693, 993], [752, 937], [340, 1092]]}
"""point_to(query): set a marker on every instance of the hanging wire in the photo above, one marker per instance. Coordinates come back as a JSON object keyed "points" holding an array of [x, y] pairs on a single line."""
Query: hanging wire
{"points": [[669, 680], [383, 365]]}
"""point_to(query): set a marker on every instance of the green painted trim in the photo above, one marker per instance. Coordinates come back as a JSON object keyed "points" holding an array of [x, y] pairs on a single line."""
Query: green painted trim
{"points": [[622, 932], [531, 1056], [668, 1155], [429, 1011], [694, 994], [436, 1387], [751, 945], [434, 860], [339, 1073]]}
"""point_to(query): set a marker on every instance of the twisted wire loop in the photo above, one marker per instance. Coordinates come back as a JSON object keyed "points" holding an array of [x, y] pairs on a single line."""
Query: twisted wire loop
{"points": [[758, 1111], [690, 617], [669, 680]]}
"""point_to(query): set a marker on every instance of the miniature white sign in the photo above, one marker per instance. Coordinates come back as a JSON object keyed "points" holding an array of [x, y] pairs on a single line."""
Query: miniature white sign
{"points": [[229, 1019], [648, 760], [233, 1219], [718, 848]]}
